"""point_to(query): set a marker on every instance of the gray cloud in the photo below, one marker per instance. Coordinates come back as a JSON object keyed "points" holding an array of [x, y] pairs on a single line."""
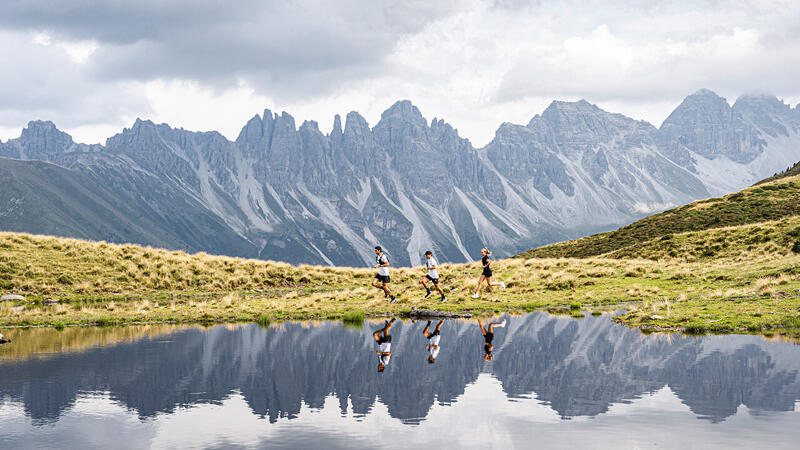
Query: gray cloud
{"points": [[476, 63], [628, 51], [290, 48], [42, 82]]}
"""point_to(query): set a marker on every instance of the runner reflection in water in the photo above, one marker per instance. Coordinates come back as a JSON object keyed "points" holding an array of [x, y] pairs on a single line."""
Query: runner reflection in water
{"points": [[488, 336], [433, 340], [384, 345]]}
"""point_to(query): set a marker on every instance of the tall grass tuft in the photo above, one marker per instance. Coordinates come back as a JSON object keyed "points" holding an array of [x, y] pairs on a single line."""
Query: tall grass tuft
{"points": [[264, 321], [354, 318]]}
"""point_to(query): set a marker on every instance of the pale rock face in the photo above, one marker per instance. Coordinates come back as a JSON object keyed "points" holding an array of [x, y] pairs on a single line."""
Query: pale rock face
{"points": [[298, 195], [40, 140]]}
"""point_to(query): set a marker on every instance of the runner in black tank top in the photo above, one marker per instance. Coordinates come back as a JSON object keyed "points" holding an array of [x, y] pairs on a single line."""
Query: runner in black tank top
{"points": [[486, 263], [487, 268], [488, 337]]}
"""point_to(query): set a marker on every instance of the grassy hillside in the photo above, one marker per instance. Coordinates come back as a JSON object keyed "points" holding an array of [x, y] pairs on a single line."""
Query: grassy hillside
{"points": [[724, 264], [44, 198], [766, 202], [790, 172]]}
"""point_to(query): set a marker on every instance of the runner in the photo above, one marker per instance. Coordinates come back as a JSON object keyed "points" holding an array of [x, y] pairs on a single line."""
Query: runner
{"points": [[433, 341], [432, 276], [488, 336], [486, 274], [382, 264], [384, 345]]}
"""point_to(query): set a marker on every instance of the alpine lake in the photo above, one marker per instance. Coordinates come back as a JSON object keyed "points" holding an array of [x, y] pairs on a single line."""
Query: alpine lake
{"points": [[551, 382]]}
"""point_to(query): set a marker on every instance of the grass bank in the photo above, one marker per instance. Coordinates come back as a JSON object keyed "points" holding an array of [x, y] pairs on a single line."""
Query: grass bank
{"points": [[725, 264], [68, 281], [765, 202]]}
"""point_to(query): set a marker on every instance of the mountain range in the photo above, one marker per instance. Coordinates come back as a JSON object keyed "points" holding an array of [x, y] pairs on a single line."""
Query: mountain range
{"points": [[299, 195]]}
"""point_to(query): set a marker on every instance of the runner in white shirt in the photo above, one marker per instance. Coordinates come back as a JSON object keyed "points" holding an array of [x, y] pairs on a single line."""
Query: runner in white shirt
{"points": [[382, 280], [433, 340], [433, 276], [384, 345]]}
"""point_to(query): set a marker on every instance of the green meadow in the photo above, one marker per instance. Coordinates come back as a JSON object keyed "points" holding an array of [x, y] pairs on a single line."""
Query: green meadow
{"points": [[729, 264]]}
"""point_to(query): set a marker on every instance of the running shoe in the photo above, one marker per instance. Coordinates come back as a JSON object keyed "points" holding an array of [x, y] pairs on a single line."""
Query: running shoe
{"points": [[444, 299], [393, 299], [428, 294], [476, 296], [502, 285]]}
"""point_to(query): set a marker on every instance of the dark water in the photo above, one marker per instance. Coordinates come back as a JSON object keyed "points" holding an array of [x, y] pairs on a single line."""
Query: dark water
{"points": [[553, 382]]}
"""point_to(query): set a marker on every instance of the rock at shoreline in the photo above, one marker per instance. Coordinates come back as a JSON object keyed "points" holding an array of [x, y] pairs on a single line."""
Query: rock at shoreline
{"points": [[11, 298], [426, 313]]}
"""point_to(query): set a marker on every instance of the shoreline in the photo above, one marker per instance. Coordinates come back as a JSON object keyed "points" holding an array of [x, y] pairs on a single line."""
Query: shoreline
{"points": [[68, 281], [631, 315]]}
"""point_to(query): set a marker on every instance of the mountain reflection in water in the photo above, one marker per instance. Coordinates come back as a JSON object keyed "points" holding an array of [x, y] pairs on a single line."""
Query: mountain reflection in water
{"points": [[576, 369]]}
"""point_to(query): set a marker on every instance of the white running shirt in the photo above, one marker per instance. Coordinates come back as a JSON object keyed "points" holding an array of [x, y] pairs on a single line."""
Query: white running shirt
{"points": [[382, 259], [433, 347], [429, 263], [385, 347]]}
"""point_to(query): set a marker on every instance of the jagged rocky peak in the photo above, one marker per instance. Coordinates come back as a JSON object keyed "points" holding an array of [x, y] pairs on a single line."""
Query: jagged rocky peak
{"points": [[520, 136], [336, 131], [581, 112], [702, 124], [404, 110], [140, 124], [441, 126], [401, 128], [311, 125], [355, 124], [704, 107], [507, 129], [143, 131], [580, 105], [752, 105], [257, 133], [43, 137], [253, 130], [580, 123], [446, 134], [286, 120], [767, 113]]}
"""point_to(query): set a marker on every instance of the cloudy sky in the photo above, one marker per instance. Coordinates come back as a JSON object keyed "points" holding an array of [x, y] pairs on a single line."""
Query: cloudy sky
{"points": [[93, 66]]}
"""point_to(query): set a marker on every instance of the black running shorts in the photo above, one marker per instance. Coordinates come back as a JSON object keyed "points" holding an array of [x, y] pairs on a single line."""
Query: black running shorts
{"points": [[382, 278], [435, 280]]}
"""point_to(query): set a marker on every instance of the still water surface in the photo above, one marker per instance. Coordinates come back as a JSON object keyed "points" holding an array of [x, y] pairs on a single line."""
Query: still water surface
{"points": [[553, 382]]}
